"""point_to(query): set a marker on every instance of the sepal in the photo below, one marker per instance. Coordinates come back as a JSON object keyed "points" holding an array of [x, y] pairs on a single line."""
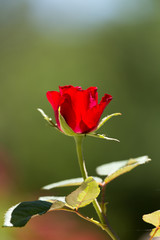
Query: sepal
{"points": [[103, 136], [105, 119], [48, 119], [102, 122], [64, 126]]}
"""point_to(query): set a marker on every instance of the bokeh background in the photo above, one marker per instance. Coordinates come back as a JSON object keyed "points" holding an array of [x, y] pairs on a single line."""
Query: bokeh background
{"points": [[114, 45]]}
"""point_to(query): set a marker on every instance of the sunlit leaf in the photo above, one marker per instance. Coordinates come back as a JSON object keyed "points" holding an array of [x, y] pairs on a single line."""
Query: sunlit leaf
{"points": [[152, 218], [84, 195], [105, 119], [155, 232], [48, 119], [20, 214], [115, 169], [68, 183], [103, 136], [64, 126], [52, 198]]}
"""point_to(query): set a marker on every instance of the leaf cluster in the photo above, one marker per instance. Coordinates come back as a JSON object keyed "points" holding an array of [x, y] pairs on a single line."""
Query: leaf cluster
{"points": [[86, 193]]}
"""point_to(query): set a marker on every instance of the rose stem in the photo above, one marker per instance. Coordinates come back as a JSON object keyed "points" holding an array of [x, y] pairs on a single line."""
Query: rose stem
{"points": [[79, 140], [103, 209], [103, 198]]}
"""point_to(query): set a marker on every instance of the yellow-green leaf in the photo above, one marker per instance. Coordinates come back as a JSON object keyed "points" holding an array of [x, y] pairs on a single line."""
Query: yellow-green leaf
{"points": [[69, 183], [84, 195], [115, 169], [155, 232], [152, 218]]}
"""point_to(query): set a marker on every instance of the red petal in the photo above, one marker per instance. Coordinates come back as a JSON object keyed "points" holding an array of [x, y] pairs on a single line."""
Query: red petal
{"points": [[67, 88], [92, 97], [93, 115], [106, 99], [54, 99], [76, 103], [67, 111], [79, 107]]}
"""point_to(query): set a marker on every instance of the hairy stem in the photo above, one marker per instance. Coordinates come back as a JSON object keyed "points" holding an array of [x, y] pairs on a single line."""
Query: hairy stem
{"points": [[79, 140]]}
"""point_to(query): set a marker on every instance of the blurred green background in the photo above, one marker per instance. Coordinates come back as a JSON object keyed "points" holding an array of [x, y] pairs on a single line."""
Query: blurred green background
{"points": [[114, 45]]}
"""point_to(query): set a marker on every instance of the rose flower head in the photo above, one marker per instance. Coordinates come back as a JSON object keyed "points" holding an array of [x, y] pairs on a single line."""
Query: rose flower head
{"points": [[77, 111], [79, 108]]}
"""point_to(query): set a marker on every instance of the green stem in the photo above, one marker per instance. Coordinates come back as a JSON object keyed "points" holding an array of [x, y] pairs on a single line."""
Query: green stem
{"points": [[79, 140]]}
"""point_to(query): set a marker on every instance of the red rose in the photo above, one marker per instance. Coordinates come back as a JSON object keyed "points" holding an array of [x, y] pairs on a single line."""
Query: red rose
{"points": [[79, 108]]}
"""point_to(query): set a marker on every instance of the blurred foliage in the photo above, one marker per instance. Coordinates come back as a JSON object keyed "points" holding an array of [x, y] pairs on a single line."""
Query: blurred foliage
{"points": [[121, 59]]}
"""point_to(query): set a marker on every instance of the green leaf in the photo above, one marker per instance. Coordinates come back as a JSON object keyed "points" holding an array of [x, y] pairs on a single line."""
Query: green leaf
{"points": [[68, 183], [103, 136], [152, 218], [56, 204], [105, 119], [115, 169], [84, 195], [48, 119], [20, 214], [64, 126]]}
